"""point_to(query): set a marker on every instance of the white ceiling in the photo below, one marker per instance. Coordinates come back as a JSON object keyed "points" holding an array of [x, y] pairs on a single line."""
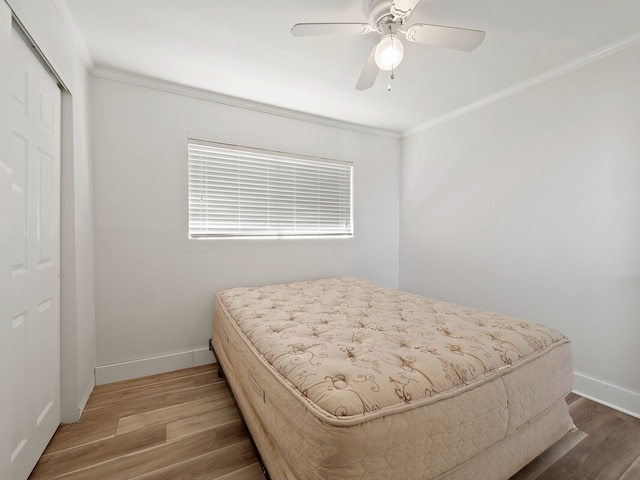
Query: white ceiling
{"points": [[244, 49]]}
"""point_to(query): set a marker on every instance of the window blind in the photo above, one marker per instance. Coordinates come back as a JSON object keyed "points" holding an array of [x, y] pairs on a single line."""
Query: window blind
{"points": [[240, 191]]}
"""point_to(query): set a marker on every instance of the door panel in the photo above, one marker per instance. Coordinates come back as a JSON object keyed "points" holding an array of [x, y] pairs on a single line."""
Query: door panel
{"points": [[19, 202], [35, 283]]}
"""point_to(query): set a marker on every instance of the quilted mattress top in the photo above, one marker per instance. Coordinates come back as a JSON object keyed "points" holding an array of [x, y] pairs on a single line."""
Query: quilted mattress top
{"points": [[353, 349]]}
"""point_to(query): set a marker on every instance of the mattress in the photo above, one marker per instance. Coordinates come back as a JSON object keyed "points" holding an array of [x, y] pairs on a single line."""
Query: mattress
{"points": [[344, 379]]}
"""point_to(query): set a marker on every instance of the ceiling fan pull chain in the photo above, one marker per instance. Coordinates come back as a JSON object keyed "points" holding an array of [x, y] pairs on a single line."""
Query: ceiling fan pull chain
{"points": [[392, 76]]}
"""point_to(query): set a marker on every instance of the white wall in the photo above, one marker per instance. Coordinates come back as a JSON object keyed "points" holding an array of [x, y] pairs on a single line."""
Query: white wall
{"points": [[531, 206], [45, 25], [155, 287]]}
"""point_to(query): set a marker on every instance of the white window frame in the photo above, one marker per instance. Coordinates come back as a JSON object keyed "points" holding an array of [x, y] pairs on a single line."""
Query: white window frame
{"points": [[244, 192]]}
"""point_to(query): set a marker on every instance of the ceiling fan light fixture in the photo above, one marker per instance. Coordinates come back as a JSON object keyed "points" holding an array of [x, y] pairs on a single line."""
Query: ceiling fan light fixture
{"points": [[389, 52]]}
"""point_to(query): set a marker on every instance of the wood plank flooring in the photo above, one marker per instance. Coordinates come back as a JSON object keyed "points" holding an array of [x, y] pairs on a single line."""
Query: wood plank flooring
{"points": [[606, 446], [176, 425], [184, 424]]}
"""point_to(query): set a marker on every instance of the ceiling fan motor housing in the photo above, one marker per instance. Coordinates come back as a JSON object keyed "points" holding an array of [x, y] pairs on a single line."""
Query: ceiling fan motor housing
{"points": [[378, 9]]}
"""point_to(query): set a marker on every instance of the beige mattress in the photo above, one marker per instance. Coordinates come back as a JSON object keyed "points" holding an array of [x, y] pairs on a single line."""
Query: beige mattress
{"points": [[344, 379]]}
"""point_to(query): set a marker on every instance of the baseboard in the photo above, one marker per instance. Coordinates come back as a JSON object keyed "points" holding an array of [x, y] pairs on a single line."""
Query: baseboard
{"points": [[143, 367], [617, 398]]}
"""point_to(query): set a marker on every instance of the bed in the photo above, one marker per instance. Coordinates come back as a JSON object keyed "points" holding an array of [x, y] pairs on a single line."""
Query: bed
{"points": [[341, 378]]}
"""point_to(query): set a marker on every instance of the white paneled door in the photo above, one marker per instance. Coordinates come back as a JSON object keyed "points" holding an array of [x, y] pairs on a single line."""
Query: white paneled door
{"points": [[35, 295]]}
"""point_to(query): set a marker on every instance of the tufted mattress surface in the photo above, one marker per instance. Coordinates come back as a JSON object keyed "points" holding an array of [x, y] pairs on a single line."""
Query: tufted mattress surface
{"points": [[424, 386]]}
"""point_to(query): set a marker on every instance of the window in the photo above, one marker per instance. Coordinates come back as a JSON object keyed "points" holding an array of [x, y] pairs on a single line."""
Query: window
{"points": [[245, 192]]}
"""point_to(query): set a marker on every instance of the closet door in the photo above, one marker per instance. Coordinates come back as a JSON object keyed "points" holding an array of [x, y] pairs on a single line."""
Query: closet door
{"points": [[35, 282]]}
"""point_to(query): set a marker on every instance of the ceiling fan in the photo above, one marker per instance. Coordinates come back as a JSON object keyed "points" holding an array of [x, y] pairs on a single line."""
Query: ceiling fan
{"points": [[387, 18]]}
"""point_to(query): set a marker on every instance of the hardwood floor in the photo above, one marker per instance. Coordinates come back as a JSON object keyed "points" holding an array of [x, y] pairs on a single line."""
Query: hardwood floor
{"points": [[606, 446], [175, 425], [184, 424]]}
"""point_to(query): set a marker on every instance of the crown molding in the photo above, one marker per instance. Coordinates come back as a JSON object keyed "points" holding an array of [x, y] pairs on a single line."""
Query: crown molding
{"points": [[210, 96], [543, 77], [179, 89], [76, 35]]}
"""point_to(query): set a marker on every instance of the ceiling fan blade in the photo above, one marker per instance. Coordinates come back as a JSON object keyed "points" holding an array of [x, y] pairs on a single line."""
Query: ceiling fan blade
{"points": [[369, 72], [403, 8], [449, 37], [307, 29]]}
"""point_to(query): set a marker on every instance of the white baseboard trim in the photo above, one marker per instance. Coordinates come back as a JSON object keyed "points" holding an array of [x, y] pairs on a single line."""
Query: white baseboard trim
{"points": [[143, 367], [617, 398]]}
